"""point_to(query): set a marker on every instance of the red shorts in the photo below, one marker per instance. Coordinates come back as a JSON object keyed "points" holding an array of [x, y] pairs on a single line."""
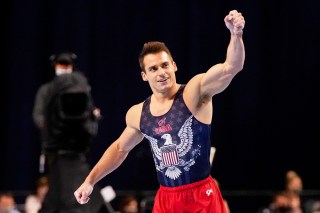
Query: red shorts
{"points": [[200, 197]]}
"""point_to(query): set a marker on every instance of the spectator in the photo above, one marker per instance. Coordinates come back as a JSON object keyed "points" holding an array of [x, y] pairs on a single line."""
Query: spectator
{"points": [[293, 182], [129, 204], [294, 187], [34, 201], [8, 203]]}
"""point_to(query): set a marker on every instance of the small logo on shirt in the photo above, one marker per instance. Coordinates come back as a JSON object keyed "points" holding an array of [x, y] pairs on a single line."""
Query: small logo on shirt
{"points": [[209, 192], [162, 127]]}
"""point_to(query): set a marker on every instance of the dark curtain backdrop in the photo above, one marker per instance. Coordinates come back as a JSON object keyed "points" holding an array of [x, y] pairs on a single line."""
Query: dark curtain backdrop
{"points": [[265, 123]]}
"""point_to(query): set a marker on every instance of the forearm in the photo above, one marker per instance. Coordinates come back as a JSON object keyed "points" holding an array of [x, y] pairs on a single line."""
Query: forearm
{"points": [[219, 76], [110, 160], [235, 54]]}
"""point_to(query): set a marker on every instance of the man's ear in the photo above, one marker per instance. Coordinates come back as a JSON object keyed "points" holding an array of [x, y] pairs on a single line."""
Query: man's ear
{"points": [[144, 76], [175, 66]]}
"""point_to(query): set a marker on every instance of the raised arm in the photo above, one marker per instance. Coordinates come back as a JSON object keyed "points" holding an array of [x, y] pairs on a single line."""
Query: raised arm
{"points": [[113, 157], [218, 77], [204, 86]]}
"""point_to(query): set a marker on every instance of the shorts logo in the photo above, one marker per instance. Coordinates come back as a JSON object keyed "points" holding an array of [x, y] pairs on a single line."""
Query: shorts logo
{"points": [[209, 191]]}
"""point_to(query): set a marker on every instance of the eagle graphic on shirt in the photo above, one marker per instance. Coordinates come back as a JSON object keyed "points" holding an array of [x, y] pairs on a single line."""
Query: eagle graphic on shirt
{"points": [[170, 154]]}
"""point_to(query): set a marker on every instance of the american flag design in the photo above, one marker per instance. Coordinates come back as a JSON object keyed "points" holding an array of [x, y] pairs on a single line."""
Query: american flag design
{"points": [[169, 155], [179, 143]]}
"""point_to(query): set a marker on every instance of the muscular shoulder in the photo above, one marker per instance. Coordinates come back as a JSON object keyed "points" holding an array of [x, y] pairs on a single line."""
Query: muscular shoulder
{"points": [[133, 116], [197, 100], [192, 93]]}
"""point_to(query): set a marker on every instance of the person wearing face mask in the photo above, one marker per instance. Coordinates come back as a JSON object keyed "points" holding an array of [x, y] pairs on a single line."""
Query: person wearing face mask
{"points": [[67, 119]]}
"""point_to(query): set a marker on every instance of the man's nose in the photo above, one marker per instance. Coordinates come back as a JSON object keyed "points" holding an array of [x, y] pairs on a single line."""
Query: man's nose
{"points": [[161, 71]]}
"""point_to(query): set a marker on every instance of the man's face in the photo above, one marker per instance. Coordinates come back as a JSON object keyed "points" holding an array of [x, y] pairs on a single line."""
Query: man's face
{"points": [[159, 71], [6, 203]]}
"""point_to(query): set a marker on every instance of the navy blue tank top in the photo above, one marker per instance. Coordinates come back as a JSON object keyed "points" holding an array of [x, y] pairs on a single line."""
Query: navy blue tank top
{"points": [[180, 144]]}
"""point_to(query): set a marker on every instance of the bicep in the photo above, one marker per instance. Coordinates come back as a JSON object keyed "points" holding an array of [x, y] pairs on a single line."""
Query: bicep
{"points": [[215, 80], [202, 87], [129, 138]]}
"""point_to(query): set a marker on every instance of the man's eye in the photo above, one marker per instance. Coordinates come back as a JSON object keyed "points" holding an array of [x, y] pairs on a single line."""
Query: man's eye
{"points": [[152, 69], [165, 65]]}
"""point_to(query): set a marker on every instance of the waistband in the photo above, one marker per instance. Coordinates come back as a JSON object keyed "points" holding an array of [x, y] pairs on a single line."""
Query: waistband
{"points": [[187, 186]]}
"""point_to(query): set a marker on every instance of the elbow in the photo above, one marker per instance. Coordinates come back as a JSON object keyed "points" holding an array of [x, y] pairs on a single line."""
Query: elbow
{"points": [[240, 68], [121, 151], [235, 69]]}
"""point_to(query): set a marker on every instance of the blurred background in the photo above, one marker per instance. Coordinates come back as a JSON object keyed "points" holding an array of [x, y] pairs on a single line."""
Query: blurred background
{"points": [[265, 123]]}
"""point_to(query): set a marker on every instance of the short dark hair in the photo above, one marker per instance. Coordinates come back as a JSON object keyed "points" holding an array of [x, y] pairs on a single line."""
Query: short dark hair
{"points": [[150, 48], [65, 58]]}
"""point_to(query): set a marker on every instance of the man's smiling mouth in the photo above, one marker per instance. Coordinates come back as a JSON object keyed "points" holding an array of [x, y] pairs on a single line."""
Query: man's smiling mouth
{"points": [[163, 80]]}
